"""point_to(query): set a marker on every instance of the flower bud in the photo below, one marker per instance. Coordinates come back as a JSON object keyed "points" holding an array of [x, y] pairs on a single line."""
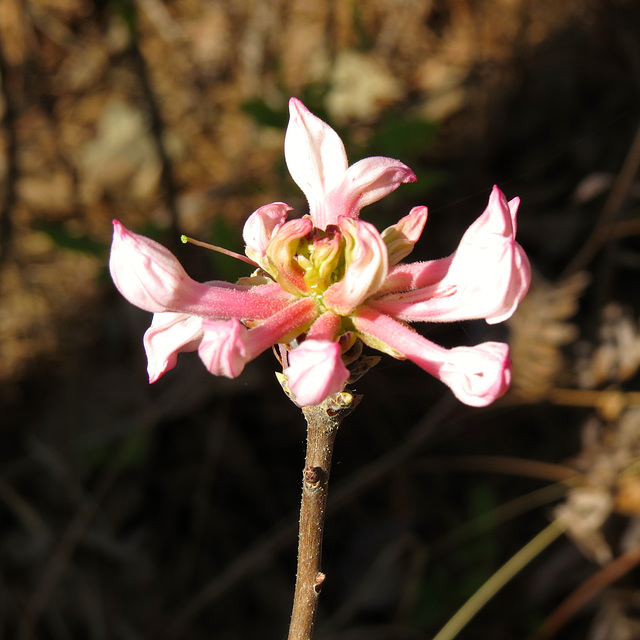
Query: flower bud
{"points": [[315, 371]]}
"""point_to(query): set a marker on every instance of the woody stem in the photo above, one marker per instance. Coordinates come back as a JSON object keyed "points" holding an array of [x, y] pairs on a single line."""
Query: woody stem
{"points": [[322, 426]]}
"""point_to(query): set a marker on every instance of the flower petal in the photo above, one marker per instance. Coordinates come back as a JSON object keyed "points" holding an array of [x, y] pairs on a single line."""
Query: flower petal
{"points": [[366, 268], [476, 375], [314, 154], [402, 236], [222, 348], [282, 327], [363, 183], [226, 346], [279, 259], [260, 226], [315, 371], [490, 268], [149, 276], [168, 335], [415, 275], [325, 327], [486, 277]]}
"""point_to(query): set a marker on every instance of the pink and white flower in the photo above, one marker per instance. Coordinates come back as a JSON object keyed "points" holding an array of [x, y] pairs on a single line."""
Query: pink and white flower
{"points": [[328, 276]]}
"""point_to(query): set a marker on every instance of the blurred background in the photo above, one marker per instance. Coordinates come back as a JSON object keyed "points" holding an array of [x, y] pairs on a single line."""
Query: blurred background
{"points": [[130, 511]]}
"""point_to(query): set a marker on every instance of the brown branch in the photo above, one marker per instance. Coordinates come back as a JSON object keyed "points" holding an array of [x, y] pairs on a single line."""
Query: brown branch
{"points": [[323, 422]]}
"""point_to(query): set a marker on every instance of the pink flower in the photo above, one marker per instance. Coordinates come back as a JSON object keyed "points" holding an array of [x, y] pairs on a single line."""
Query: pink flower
{"points": [[329, 276]]}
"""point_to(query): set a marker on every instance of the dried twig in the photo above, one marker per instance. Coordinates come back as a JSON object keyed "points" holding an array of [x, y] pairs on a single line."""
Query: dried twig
{"points": [[502, 464], [505, 573], [602, 231], [586, 591], [610, 403]]}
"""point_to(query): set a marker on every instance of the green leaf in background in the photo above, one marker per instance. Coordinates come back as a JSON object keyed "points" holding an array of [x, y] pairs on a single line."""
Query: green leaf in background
{"points": [[266, 115], [448, 584], [112, 445], [399, 136], [481, 555], [65, 238], [126, 9], [313, 96]]}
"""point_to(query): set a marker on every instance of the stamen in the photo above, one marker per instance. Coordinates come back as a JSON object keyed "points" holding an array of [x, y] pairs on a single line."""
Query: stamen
{"points": [[186, 239]]}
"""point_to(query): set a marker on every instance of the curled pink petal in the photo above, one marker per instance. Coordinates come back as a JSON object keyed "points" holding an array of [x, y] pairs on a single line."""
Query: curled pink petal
{"points": [[170, 334], [476, 375], [260, 226], [490, 269], [363, 183], [366, 269], [147, 274], [315, 371], [486, 277], [402, 236], [222, 348]]}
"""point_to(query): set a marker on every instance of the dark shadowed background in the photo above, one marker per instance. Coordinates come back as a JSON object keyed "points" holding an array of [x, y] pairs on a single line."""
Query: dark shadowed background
{"points": [[130, 511]]}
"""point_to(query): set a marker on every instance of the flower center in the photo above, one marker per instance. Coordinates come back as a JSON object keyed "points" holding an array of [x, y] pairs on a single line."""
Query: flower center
{"points": [[321, 257]]}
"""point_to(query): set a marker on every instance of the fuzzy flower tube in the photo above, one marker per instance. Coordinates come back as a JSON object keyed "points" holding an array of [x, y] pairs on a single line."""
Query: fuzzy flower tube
{"points": [[328, 279]]}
